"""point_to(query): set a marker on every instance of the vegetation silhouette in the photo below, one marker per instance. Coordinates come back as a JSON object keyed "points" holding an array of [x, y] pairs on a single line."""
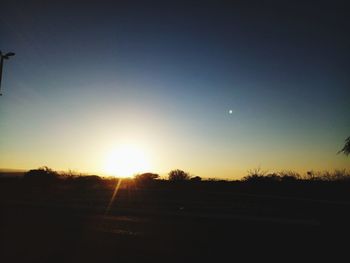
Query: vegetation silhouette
{"points": [[346, 148], [196, 179], [146, 177], [257, 175], [42, 174], [178, 175]]}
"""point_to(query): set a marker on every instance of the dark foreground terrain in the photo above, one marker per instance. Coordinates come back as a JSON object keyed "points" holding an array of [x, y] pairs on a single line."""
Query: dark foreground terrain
{"points": [[67, 221]]}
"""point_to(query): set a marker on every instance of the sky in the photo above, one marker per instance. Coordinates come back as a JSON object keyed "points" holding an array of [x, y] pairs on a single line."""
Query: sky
{"points": [[211, 87]]}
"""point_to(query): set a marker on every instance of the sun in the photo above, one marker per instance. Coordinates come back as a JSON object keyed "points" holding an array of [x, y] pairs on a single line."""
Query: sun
{"points": [[126, 161]]}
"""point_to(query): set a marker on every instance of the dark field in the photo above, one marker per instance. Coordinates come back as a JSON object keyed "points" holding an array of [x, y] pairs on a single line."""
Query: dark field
{"points": [[66, 221]]}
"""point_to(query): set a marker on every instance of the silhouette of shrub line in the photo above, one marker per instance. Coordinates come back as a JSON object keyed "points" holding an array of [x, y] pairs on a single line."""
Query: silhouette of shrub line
{"points": [[257, 175]]}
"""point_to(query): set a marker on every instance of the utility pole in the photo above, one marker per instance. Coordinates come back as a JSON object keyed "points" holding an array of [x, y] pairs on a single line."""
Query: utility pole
{"points": [[2, 58]]}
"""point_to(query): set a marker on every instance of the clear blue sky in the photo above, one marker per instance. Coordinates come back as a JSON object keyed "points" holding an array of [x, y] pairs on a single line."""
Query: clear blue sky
{"points": [[90, 76]]}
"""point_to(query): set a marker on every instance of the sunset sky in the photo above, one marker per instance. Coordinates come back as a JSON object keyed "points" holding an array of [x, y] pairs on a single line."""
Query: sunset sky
{"points": [[91, 78]]}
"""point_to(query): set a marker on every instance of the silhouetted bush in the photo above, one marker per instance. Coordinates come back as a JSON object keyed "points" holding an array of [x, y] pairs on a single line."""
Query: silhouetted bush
{"points": [[255, 175], [289, 176], [337, 175], [89, 179], [196, 179], [86, 182], [341, 175], [310, 175], [70, 174], [146, 177], [41, 174], [178, 175]]}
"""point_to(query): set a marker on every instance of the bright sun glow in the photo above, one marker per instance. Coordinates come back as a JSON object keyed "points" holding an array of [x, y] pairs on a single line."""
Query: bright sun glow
{"points": [[126, 161]]}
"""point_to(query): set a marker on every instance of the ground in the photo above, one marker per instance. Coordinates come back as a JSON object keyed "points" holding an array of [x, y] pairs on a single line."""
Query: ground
{"points": [[163, 221]]}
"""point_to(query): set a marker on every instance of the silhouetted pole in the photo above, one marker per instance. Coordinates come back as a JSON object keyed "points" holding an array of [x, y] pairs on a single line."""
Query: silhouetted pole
{"points": [[2, 58], [1, 63]]}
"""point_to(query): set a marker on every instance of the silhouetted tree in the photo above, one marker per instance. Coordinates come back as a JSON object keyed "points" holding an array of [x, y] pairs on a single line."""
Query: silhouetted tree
{"points": [[346, 148], [178, 175]]}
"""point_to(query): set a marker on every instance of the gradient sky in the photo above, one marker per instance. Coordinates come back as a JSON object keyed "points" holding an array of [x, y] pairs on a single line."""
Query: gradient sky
{"points": [[89, 76]]}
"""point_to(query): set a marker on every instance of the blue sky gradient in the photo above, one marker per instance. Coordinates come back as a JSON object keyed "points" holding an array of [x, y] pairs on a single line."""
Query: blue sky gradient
{"points": [[90, 74]]}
